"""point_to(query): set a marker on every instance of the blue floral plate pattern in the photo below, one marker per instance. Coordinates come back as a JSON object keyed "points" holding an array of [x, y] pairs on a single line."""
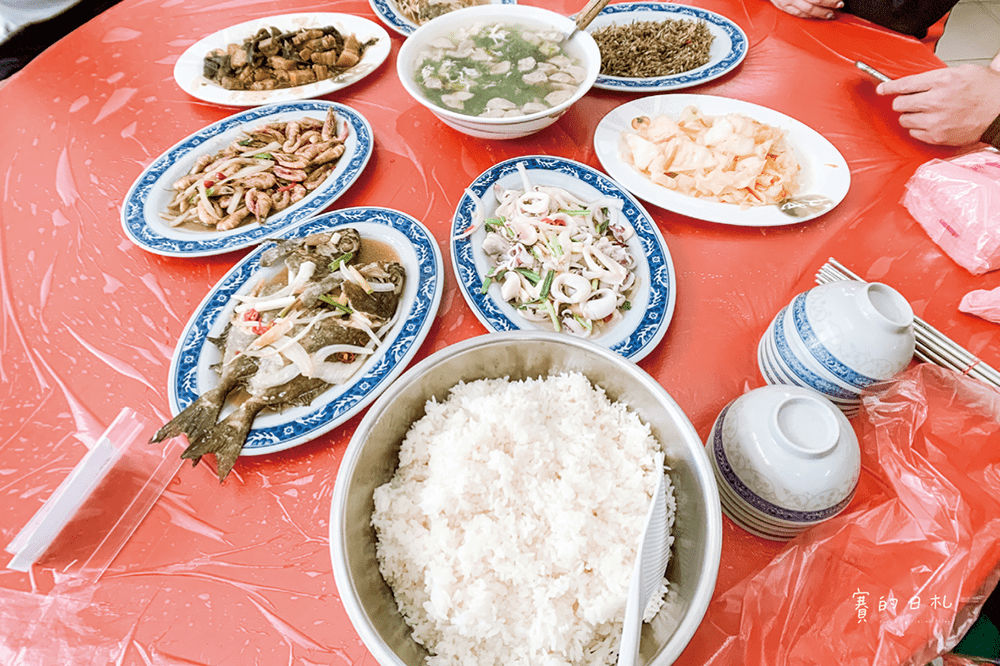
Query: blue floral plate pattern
{"points": [[388, 12]]}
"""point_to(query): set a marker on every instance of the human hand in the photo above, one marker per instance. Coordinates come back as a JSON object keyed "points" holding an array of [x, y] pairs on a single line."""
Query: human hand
{"points": [[951, 106], [820, 9]]}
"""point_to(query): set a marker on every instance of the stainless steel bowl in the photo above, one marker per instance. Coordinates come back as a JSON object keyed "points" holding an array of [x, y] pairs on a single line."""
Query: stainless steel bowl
{"points": [[372, 456]]}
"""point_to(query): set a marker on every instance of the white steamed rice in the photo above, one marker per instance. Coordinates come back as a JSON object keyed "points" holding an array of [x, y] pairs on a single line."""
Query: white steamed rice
{"points": [[509, 532]]}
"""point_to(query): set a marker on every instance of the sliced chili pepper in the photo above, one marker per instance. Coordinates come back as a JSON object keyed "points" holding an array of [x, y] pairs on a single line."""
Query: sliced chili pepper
{"points": [[251, 315]]}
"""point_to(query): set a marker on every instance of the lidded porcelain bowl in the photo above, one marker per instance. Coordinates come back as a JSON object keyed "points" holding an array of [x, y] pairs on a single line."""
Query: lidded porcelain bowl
{"points": [[789, 456]]}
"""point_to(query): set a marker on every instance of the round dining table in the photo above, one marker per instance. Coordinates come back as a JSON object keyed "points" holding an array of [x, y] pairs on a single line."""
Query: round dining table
{"points": [[240, 572]]}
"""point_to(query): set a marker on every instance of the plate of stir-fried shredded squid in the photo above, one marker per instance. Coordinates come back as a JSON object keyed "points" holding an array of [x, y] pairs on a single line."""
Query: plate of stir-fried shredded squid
{"points": [[405, 16], [247, 178], [547, 243], [719, 159], [386, 236], [658, 46], [266, 61]]}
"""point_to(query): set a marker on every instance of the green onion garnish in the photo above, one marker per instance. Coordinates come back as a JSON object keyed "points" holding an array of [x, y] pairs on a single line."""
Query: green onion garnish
{"points": [[553, 316], [547, 284], [342, 259], [340, 306], [533, 277]]}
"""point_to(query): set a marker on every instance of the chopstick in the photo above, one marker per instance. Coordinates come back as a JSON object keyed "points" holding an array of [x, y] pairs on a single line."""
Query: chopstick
{"points": [[932, 346]]}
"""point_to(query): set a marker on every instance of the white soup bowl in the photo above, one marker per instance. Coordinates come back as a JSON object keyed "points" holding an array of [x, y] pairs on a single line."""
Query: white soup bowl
{"points": [[581, 47]]}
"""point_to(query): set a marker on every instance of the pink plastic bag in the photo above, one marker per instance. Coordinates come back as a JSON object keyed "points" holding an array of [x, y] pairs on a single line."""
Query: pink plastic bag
{"points": [[899, 577], [957, 202], [982, 303]]}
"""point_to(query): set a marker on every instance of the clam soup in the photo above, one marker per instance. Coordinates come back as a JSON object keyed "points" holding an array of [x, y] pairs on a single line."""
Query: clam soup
{"points": [[498, 70]]}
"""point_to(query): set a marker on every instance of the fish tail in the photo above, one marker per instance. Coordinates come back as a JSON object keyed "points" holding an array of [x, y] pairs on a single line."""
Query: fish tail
{"points": [[197, 418], [226, 439]]}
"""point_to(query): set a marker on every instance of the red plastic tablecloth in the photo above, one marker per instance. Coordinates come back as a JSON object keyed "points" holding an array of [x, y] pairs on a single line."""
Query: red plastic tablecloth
{"points": [[240, 573]]}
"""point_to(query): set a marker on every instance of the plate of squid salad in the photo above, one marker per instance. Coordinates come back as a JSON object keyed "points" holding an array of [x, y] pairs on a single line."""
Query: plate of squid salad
{"points": [[545, 243], [247, 178], [405, 16], [303, 333]]}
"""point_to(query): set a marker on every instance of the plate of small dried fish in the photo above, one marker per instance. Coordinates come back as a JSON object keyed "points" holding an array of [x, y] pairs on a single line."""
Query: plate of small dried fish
{"points": [[282, 58], [303, 333], [405, 16], [546, 243], [656, 46], [247, 178], [721, 160]]}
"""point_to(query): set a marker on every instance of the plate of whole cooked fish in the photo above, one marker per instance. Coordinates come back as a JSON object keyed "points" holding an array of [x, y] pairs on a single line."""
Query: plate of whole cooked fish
{"points": [[545, 243], [247, 178], [302, 334], [282, 58], [405, 16]]}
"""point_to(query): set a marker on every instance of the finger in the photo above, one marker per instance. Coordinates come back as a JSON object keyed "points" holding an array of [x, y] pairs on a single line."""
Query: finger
{"points": [[912, 103], [911, 84], [928, 137], [915, 121], [809, 9]]}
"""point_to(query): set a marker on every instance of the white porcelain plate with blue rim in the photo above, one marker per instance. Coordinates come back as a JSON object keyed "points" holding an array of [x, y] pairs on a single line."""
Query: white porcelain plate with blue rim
{"points": [[729, 44], [644, 324], [151, 193], [189, 68], [822, 168], [191, 369], [388, 12]]}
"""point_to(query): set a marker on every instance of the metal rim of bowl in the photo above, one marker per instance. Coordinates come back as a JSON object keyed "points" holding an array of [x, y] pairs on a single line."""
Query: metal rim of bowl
{"points": [[711, 558]]}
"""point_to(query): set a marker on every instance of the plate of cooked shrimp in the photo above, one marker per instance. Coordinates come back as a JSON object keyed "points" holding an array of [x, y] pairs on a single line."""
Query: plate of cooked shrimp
{"points": [[247, 177]]}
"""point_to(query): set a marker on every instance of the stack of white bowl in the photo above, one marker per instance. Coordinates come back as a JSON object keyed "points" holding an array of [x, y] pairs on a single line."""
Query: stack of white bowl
{"points": [[839, 339], [785, 459]]}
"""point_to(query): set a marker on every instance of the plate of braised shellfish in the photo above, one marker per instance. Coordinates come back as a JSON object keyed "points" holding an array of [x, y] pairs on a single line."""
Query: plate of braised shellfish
{"points": [[545, 243], [302, 334], [282, 58], [246, 178]]}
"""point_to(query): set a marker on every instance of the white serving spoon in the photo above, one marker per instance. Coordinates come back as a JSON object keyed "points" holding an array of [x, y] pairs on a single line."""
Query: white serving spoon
{"points": [[654, 551]]}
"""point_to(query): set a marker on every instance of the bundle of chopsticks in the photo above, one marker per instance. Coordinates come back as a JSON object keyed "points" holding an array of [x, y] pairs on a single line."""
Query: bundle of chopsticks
{"points": [[932, 346]]}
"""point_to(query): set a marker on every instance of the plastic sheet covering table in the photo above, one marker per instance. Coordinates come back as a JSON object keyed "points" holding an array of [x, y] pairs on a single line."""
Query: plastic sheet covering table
{"points": [[240, 573]]}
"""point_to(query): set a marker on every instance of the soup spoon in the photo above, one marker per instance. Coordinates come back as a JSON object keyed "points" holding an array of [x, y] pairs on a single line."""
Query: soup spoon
{"points": [[805, 205], [586, 15]]}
